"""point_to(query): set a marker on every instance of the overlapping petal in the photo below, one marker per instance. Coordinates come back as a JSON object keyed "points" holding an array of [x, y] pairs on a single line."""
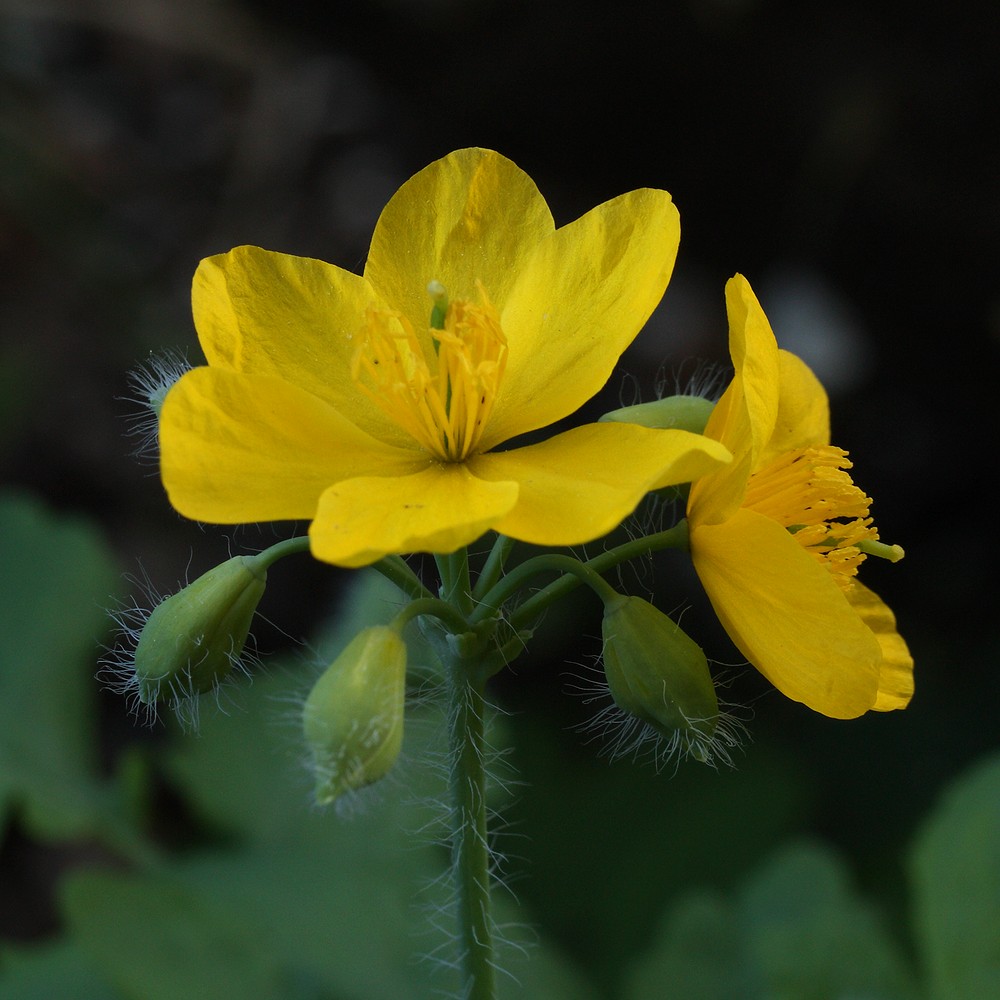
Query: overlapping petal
{"points": [[803, 418], [787, 615], [239, 448], [581, 484], [438, 509], [578, 302], [744, 418], [471, 216], [265, 313], [895, 681]]}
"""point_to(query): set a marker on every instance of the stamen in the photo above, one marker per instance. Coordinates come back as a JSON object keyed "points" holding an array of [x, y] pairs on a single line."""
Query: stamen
{"points": [[810, 492], [441, 388]]}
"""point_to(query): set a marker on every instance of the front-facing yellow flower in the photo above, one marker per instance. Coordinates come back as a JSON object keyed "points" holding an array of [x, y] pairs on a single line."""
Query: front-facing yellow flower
{"points": [[778, 535], [374, 405]]}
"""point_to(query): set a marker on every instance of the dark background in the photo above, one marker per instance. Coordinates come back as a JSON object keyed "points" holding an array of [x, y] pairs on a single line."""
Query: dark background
{"points": [[841, 155]]}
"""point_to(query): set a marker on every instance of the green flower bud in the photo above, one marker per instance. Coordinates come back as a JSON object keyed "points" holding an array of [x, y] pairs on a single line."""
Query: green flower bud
{"points": [[191, 641], [353, 717], [658, 674], [685, 413]]}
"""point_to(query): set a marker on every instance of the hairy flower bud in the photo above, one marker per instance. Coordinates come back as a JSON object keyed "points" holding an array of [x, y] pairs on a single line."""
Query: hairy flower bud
{"points": [[658, 674], [353, 717], [685, 413], [192, 639]]}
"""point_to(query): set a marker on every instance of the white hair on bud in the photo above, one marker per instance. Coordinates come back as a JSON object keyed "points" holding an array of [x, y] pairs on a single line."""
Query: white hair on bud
{"points": [[623, 735], [149, 383], [116, 667], [694, 377]]}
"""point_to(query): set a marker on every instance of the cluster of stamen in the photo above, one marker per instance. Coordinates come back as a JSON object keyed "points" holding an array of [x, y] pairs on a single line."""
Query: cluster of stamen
{"points": [[809, 492], [439, 387]]}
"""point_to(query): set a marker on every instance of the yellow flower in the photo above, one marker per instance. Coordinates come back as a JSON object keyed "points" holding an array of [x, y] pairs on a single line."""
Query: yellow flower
{"points": [[373, 405], [777, 536]]}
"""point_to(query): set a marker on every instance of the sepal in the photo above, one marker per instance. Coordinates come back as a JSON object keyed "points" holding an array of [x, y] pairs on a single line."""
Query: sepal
{"points": [[685, 413]]}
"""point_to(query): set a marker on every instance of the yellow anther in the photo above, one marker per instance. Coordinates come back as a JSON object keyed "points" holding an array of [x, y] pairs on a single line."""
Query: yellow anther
{"points": [[810, 492], [440, 387]]}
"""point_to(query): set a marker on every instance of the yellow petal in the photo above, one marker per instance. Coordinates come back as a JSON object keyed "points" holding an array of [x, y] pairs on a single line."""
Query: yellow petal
{"points": [[803, 419], [755, 357], [895, 681], [240, 448], [264, 313], [473, 215], [438, 509], [581, 484], [745, 416], [579, 301], [787, 616], [715, 497]]}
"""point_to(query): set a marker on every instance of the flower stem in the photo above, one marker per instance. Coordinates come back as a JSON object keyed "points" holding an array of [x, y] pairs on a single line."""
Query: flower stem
{"points": [[470, 846], [266, 559], [493, 568], [455, 582], [673, 538], [394, 568]]}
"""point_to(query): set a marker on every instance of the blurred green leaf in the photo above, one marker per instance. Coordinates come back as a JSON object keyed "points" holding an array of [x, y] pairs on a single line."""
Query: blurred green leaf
{"points": [[676, 827], [51, 970], [796, 931], [699, 955], [812, 936], [58, 578], [158, 941], [956, 874]]}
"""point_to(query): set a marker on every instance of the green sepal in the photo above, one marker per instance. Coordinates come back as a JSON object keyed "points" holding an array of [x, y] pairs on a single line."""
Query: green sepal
{"points": [[685, 413]]}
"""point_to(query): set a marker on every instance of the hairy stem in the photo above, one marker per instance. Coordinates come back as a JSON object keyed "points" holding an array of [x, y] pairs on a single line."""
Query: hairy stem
{"points": [[470, 847]]}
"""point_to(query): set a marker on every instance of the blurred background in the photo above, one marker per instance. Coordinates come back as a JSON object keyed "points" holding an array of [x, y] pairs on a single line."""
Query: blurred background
{"points": [[841, 155]]}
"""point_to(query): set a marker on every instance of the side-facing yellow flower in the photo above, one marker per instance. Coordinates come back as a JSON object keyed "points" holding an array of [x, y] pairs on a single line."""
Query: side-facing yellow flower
{"points": [[373, 405], [777, 536]]}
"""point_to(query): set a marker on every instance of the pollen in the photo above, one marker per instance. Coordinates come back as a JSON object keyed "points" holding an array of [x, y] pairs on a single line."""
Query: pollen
{"points": [[810, 492], [439, 385]]}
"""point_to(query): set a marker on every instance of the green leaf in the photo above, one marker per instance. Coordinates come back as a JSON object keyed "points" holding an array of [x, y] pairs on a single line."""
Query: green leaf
{"points": [[157, 941], [796, 931], [677, 826], [813, 937], [51, 970], [956, 875], [57, 580], [699, 956]]}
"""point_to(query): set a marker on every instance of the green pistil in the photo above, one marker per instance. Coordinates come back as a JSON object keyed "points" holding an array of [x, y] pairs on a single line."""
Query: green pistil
{"points": [[439, 294], [880, 550]]}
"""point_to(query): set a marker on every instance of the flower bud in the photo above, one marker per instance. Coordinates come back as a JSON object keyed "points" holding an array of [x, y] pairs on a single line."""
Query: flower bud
{"points": [[685, 413], [353, 717], [191, 641], [658, 674]]}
